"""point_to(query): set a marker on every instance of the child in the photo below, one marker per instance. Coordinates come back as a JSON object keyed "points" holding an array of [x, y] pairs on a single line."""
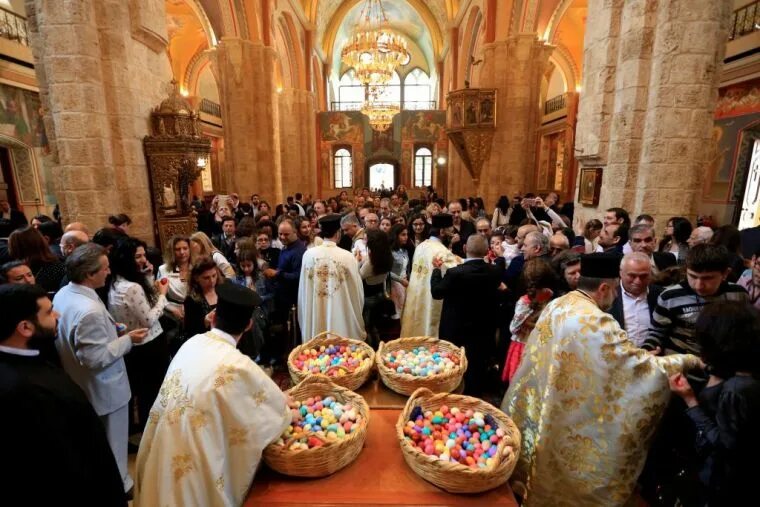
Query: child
{"points": [[250, 274], [537, 277], [726, 413], [509, 245]]}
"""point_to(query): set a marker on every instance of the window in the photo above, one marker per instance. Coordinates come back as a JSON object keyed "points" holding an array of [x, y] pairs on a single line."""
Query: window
{"points": [[417, 90], [344, 168], [350, 91], [423, 167], [389, 93]]}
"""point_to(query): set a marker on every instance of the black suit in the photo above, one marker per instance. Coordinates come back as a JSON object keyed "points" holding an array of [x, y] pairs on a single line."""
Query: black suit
{"points": [[465, 230], [226, 247], [470, 313], [664, 260], [14, 218], [616, 310]]}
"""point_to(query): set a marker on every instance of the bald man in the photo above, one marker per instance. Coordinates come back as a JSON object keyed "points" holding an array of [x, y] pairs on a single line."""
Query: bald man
{"points": [[469, 317], [77, 226], [71, 240]]}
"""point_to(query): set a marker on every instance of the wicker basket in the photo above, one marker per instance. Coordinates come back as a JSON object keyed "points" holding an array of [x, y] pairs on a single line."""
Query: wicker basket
{"points": [[353, 380], [453, 477], [405, 383], [334, 455]]}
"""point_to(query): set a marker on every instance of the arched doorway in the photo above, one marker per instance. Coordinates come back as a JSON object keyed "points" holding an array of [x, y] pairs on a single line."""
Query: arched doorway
{"points": [[19, 177], [382, 173]]}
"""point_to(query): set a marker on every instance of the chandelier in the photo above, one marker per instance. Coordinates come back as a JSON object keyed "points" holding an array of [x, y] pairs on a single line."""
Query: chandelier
{"points": [[380, 113], [373, 50]]}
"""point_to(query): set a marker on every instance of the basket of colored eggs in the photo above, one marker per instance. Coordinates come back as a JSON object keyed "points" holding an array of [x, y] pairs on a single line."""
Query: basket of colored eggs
{"points": [[407, 364], [459, 443], [346, 362], [326, 432]]}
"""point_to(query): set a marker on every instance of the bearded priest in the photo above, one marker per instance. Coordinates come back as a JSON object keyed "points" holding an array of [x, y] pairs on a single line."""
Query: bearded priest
{"points": [[215, 413], [586, 399], [330, 295], [422, 313]]}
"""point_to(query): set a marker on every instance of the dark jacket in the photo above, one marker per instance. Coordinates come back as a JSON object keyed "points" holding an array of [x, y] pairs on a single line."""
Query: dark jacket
{"points": [[227, 248], [664, 260], [470, 301], [465, 230], [616, 310]]}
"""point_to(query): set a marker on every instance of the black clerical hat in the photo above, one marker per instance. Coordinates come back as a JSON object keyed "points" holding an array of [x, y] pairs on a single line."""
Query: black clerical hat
{"points": [[329, 225], [601, 265], [237, 295], [443, 220]]}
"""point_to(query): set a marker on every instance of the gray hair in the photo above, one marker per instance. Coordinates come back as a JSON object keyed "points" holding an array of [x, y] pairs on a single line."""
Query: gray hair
{"points": [[639, 228], [635, 257], [541, 240], [482, 219], [74, 238], [351, 218], [83, 261], [477, 246], [704, 233]]}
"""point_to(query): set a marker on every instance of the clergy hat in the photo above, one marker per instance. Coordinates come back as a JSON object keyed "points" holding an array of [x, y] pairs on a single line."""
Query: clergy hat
{"points": [[600, 265], [238, 296], [329, 225], [442, 221]]}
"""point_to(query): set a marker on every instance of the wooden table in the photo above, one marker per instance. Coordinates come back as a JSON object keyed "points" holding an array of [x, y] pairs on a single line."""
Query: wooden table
{"points": [[379, 476]]}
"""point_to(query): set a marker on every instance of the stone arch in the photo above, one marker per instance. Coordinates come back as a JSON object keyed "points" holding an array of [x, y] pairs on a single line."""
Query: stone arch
{"points": [[556, 17], [298, 60], [222, 17], [468, 43], [283, 71]]}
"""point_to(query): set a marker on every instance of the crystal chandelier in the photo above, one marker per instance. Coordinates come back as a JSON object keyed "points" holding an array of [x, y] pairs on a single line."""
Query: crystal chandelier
{"points": [[380, 113], [373, 50]]}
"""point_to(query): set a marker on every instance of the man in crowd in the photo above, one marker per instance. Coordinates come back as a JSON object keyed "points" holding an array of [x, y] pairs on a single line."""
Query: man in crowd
{"points": [[331, 295], [558, 243], [48, 425], [535, 245], [71, 240], [586, 383], [422, 314], [483, 227], [462, 229], [16, 272], [642, 240], [637, 297], [385, 208], [353, 230], [470, 294], [700, 236], [612, 238], [225, 241], [91, 349], [371, 221], [616, 216], [77, 226], [13, 217], [673, 320], [215, 414]]}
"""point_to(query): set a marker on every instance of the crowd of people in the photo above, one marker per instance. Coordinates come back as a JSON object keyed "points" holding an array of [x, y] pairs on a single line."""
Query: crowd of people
{"points": [[612, 309]]}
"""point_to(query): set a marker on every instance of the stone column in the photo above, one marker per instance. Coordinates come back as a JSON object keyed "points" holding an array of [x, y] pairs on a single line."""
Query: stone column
{"points": [[651, 73], [298, 150], [247, 93], [101, 66], [514, 67]]}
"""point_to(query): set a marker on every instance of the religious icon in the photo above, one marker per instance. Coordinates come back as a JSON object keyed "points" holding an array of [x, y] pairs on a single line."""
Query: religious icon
{"points": [[456, 114], [591, 184], [169, 196], [472, 112], [486, 110]]}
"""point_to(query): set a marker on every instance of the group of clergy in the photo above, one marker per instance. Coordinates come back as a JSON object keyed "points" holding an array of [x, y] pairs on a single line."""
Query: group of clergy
{"points": [[586, 400]]}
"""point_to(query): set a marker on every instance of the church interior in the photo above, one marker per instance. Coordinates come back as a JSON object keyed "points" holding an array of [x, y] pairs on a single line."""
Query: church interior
{"points": [[150, 114], [660, 99]]}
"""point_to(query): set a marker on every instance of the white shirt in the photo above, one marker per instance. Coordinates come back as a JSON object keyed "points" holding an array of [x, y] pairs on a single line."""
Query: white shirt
{"points": [[636, 315], [127, 304], [19, 352]]}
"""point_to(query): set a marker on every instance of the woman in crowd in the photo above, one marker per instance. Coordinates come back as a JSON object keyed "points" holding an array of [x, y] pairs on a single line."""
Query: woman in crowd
{"points": [[28, 245], [402, 193], [264, 208], [385, 224], [501, 213], [39, 219], [374, 271], [568, 266], [135, 301], [202, 246], [201, 296], [267, 252], [419, 229], [246, 227], [332, 205], [403, 253], [677, 232], [729, 237], [120, 224], [591, 235], [178, 259], [726, 413], [432, 210], [303, 231], [750, 280]]}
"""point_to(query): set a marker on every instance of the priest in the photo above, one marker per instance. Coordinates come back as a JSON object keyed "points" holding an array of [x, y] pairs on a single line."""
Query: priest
{"points": [[422, 313], [54, 446], [330, 295], [215, 413], [585, 398]]}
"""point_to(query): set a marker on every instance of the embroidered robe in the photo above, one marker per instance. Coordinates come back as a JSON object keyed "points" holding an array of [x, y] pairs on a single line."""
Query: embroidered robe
{"points": [[587, 402], [330, 295], [422, 313], [215, 413]]}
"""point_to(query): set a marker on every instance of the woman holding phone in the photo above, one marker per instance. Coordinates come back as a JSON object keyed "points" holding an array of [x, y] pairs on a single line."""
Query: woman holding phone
{"points": [[137, 302]]}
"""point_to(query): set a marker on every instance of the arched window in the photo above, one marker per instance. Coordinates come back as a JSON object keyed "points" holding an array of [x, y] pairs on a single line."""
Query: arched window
{"points": [[344, 168], [423, 167], [389, 93], [417, 90], [350, 92]]}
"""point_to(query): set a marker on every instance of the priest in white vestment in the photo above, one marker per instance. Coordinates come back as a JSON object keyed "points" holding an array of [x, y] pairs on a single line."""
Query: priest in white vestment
{"points": [[214, 415], [422, 313], [330, 295]]}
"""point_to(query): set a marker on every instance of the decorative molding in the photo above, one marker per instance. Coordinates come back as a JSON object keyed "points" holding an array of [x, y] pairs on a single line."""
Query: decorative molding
{"points": [[146, 28]]}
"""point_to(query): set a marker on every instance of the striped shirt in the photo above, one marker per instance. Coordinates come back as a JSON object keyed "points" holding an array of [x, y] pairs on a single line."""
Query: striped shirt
{"points": [[675, 316]]}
